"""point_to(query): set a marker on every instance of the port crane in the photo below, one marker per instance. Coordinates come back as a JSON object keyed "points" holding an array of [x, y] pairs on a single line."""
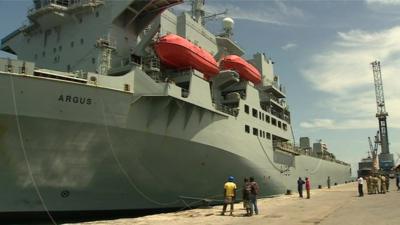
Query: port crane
{"points": [[386, 161]]}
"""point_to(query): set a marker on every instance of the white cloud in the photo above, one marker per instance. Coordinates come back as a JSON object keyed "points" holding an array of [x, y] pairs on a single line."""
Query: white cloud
{"points": [[289, 46], [343, 71], [339, 125], [271, 12], [384, 2]]}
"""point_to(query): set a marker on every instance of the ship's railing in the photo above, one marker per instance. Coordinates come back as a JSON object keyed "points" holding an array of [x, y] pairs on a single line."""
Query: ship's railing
{"points": [[66, 3], [286, 147], [227, 110], [276, 85], [63, 4], [323, 157]]}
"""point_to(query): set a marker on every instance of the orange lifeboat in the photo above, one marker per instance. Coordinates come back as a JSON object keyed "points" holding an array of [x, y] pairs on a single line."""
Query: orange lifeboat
{"points": [[178, 53], [245, 69]]}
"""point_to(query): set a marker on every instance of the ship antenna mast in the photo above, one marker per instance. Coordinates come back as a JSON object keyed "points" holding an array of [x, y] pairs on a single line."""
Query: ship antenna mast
{"points": [[198, 12], [385, 158]]}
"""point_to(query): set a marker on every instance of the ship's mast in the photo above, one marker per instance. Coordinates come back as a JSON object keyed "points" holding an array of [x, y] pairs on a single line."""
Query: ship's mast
{"points": [[198, 12]]}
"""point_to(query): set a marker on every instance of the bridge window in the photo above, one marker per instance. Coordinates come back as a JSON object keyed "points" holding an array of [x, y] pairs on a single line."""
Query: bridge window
{"points": [[268, 136], [274, 121], [279, 124], [246, 109], [255, 113], [267, 119], [247, 128], [255, 131], [284, 126]]}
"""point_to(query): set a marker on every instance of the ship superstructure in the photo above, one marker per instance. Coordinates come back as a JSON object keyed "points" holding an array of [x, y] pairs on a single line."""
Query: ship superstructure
{"points": [[92, 118]]}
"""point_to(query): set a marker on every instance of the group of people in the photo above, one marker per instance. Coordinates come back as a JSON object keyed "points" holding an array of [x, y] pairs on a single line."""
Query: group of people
{"points": [[250, 191], [300, 184], [376, 184]]}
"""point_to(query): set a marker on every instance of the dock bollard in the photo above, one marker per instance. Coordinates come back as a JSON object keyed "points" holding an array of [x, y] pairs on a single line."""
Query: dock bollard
{"points": [[319, 186], [288, 192]]}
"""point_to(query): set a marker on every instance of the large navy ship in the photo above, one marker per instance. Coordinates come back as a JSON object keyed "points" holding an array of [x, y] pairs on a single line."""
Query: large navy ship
{"points": [[124, 105]]}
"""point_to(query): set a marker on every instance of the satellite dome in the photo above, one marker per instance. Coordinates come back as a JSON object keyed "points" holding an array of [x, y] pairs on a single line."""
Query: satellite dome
{"points": [[228, 23]]}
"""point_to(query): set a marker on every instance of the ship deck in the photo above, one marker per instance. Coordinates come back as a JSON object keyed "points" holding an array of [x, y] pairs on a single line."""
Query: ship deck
{"points": [[338, 205]]}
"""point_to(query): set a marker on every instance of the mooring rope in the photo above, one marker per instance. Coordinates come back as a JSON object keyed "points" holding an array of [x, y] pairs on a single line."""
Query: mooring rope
{"points": [[269, 159], [122, 169], [35, 186]]}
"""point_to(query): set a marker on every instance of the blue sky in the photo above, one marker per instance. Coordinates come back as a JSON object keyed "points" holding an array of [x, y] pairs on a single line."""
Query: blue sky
{"points": [[322, 50]]}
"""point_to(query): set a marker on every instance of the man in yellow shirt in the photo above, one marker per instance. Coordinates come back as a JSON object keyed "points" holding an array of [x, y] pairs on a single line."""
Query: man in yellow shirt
{"points": [[229, 194]]}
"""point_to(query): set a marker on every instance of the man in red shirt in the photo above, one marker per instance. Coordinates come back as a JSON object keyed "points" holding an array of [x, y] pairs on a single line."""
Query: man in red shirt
{"points": [[308, 187]]}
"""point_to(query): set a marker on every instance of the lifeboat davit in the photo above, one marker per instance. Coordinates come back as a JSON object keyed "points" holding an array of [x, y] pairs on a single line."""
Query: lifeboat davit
{"points": [[178, 53], [245, 69]]}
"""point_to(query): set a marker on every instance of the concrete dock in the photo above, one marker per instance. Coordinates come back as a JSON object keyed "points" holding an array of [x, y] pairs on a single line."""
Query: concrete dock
{"points": [[338, 205]]}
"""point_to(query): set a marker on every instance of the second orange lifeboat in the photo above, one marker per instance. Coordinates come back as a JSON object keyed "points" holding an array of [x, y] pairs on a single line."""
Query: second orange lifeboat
{"points": [[178, 53], [245, 69]]}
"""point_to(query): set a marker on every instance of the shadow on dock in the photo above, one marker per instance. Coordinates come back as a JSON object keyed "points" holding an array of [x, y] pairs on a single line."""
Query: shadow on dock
{"points": [[42, 218]]}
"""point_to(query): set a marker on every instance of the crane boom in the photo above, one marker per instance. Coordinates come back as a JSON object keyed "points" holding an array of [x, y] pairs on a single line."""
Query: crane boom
{"points": [[380, 97], [385, 158]]}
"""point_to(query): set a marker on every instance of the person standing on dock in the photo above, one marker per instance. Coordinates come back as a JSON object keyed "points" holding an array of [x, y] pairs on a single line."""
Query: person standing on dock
{"points": [[308, 187], [398, 181], [246, 196], [375, 188], [329, 182], [383, 184], [300, 184], [253, 196], [387, 182], [229, 195], [360, 182], [368, 179]]}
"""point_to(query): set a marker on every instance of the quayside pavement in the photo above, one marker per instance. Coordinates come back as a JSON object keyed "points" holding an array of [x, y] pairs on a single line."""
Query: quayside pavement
{"points": [[338, 205]]}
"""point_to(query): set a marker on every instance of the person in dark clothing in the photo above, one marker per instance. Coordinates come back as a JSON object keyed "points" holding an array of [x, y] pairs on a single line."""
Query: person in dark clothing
{"points": [[398, 181], [387, 183], [329, 182], [253, 196], [300, 184], [246, 196]]}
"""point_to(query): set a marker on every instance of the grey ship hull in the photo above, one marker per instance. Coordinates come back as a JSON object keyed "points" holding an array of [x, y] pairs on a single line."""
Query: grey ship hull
{"points": [[122, 152]]}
